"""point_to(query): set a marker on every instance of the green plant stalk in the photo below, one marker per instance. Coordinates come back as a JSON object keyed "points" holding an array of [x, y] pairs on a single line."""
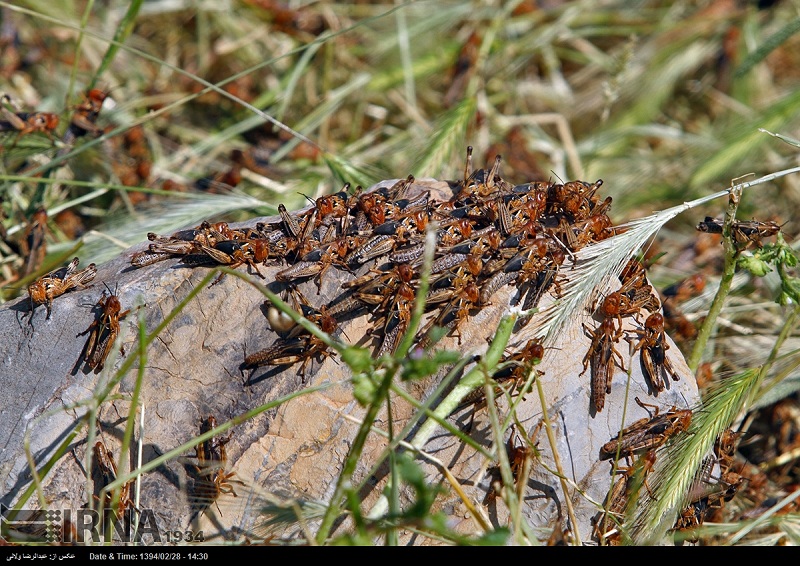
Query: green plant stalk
{"points": [[100, 395], [78, 42], [41, 473], [343, 482], [553, 447], [520, 530], [402, 352], [425, 411], [452, 480], [763, 519], [788, 327], [348, 469], [91, 419], [138, 496], [130, 422], [137, 390], [500, 453], [615, 465], [473, 379], [728, 271], [190, 444], [723, 404], [394, 477], [124, 30], [513, 490]]}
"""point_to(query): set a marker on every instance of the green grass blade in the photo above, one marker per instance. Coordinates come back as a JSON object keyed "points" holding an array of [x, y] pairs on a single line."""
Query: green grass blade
{"points": [[447, 142], [124, 30]]}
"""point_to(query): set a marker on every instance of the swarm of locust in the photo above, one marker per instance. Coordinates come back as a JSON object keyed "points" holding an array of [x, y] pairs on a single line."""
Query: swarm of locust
{"points": [[489, 235], [638, 441]]}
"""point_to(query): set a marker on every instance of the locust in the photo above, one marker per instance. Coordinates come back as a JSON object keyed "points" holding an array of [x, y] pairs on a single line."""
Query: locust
{"points": [[103, 332], [211, 478], [649, 432], [744, 232], [600, 357], [54, 284], [108, 473], [606, 526], [653, 346]]}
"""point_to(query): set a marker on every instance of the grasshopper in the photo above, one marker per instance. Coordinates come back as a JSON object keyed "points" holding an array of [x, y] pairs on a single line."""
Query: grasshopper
{"points": [[649, 432]]}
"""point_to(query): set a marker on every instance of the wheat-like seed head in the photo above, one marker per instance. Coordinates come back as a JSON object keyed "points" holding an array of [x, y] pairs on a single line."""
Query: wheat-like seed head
{"points": [[597, 266]]}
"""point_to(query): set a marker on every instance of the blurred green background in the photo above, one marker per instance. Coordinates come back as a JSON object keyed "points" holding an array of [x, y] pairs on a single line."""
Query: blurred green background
{"points": [[662, 100]]}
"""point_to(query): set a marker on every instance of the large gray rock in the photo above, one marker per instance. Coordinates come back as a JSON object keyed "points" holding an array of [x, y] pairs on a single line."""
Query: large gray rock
{"points": [[295, 450]]}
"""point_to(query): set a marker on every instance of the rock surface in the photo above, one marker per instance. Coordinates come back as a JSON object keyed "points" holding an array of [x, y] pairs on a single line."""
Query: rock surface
{"points": [[296, 449]]}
